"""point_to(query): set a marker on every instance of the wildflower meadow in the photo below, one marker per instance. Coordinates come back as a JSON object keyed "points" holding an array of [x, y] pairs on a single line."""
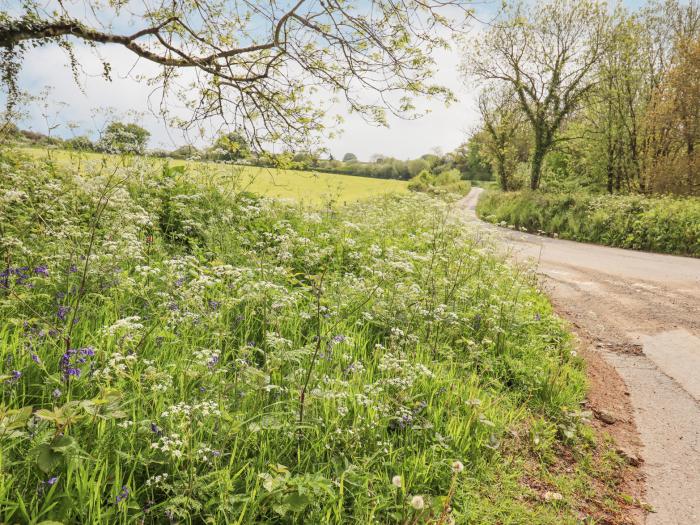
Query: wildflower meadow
{"points": [[174, 352]]}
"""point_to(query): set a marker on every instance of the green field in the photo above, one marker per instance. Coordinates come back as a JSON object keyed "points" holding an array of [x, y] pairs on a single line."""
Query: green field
{"points": [[304, 186]]}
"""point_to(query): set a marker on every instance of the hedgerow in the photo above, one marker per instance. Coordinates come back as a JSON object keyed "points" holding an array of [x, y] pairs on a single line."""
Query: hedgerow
{"points": [[659, 224]]}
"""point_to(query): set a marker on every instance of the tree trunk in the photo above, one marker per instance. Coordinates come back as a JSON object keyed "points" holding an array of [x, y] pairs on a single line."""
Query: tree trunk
{"points": [[609, 165], [502, 175], [536, 166]]}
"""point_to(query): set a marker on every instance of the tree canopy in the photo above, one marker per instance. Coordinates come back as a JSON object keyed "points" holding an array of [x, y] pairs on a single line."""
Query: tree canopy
{"points": [[596, 97], [254, 65], [124, 138]]}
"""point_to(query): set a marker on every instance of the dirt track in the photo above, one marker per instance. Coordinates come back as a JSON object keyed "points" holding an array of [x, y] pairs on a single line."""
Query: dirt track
{"points": [[641, 314]]}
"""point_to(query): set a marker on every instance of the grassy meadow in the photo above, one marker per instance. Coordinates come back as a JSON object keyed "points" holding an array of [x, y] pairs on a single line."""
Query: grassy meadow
{"points": [[308, 187], [176, 352]]}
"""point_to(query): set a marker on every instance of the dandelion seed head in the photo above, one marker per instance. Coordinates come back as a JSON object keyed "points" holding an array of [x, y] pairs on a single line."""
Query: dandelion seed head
{"points": [[417, 502]]}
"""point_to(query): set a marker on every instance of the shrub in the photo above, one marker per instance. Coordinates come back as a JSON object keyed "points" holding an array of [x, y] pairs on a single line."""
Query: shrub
{"points": [[124, 138], [445, 182], [80, 143]]}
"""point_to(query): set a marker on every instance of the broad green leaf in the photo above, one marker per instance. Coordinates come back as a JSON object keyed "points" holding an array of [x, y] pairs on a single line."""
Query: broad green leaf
{"points": [[62, 443], [47, 459], [297, 502]]}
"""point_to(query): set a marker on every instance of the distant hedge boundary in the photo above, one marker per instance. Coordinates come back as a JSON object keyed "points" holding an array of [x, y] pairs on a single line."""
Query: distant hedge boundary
{"points": [[656, 224]]}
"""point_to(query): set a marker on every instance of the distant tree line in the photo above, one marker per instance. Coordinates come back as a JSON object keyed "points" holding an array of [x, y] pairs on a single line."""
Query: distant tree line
{"points": [[469, 161], [117, 137], [578, 94]]}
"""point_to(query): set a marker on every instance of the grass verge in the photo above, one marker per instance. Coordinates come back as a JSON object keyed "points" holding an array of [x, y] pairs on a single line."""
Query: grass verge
{"points": [[175, 353]]}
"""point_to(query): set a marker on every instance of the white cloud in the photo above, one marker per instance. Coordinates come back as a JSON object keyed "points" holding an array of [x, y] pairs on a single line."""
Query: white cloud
{"points": [[444, 127], [70, 103]]}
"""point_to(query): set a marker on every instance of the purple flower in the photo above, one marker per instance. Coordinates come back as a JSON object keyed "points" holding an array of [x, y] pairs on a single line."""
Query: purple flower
{"points": [[63, 312], [42, 270], [19, 273], [56, 392], [14, 377], [72, 358], [73, 268], [214, 305], [156, 430], [123, 494], [52, 481], [36, 359]]}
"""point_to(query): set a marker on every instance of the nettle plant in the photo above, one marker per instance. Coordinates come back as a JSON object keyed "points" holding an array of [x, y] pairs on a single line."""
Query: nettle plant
{"points": [[173, 352]]}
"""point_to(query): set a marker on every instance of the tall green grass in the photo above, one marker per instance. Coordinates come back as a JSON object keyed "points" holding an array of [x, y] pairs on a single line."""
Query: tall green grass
{"points": [[173, 353], [657, 224]]}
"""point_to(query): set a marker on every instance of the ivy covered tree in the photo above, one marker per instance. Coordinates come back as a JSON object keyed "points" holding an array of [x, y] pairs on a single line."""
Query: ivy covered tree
{"points": [[255, 65], [546, 55], [502, 119]]}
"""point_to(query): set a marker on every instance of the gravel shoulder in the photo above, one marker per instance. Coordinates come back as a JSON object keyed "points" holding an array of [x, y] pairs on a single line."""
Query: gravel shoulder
{"points": [[638, 317]]}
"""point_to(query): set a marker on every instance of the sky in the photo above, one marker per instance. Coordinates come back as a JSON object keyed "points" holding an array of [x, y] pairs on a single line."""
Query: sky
{"points": [[69, 109]]}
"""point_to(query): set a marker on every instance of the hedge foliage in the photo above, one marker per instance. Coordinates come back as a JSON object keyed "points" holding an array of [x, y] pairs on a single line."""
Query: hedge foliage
{"points": [[658, 224]]}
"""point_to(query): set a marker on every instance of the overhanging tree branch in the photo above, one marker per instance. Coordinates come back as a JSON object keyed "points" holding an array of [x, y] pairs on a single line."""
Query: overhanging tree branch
{"points": [[260, 80]]}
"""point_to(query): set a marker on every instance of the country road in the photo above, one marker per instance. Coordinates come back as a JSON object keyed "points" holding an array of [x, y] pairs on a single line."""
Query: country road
{"points": [[641, 313]]}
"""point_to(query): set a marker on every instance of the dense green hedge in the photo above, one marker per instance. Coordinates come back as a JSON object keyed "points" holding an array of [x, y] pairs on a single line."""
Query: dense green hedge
{"points": [[658, 224], [446, 182]]}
